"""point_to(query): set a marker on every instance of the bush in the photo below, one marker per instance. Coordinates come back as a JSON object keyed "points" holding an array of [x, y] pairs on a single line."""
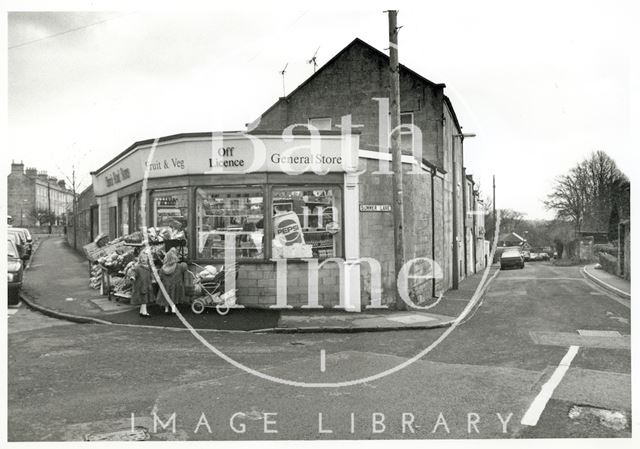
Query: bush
{"points": [[608, 262], [570, 262], [607, 248]]}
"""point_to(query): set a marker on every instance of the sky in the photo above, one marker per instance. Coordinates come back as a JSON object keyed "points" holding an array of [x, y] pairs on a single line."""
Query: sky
{"points": [[542, 84]]}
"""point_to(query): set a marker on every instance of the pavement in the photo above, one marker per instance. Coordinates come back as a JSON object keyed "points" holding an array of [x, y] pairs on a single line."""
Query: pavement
{"points": [[610, 282], [57, 284]]}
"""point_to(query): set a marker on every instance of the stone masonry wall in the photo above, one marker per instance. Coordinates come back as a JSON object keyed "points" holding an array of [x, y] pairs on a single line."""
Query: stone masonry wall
{"points": [[256, 284], [376, 229], [442, 255]]}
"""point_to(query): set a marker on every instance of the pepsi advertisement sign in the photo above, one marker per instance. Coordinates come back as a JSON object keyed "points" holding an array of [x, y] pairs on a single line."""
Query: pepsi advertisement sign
{"points": [[288, 229]]}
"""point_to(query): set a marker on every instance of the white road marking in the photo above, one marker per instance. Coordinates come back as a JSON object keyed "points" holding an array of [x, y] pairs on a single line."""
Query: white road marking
{"points": [[536, 408], [322, 361], [534, 278]]}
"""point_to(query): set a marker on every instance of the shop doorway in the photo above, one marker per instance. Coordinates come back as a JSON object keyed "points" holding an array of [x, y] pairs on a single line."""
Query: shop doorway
{"points": [[94, 220], [113, 222]]}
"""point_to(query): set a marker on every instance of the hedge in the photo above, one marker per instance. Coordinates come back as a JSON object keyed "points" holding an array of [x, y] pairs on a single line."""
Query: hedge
{"points": [[608, 263]]}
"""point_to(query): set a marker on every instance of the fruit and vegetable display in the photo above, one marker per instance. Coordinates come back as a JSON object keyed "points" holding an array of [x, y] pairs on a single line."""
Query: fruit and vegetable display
{"points": [[118, 260], [110, 260], [155, 236]]}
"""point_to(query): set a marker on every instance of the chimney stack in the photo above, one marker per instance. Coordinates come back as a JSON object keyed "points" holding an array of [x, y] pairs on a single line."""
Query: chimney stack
{"points": [[17, 168]]}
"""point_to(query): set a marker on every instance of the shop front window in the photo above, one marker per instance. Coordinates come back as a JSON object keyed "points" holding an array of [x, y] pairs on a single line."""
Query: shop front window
{"points": [[170, 209], [124, 216], [134, 213], [307, 223], [225, 213]]}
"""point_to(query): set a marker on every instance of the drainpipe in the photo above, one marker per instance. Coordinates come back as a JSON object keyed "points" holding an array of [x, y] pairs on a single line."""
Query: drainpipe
{"points": [[454, 281], [433, 229], [464, 221]]}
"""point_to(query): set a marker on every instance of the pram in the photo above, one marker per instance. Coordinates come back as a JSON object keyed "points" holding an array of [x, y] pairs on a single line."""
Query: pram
{"points": [[210, 292]]}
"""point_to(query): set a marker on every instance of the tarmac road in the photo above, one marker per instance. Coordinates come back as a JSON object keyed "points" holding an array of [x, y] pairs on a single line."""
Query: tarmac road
{"points": [[67, 381]]}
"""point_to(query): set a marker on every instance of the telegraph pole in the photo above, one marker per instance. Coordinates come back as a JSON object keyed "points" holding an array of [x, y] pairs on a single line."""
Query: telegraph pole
{"points": [[49, 203], [394, 106], [494, 202], [75, 212]]}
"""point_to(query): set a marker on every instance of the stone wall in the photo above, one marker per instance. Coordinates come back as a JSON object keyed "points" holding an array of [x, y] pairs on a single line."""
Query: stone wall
{"points": [[79, 229], [257, 287], [376, 229], [442, 252]]}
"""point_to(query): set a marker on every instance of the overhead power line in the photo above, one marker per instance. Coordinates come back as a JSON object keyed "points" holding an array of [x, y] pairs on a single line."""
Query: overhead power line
{"points": [[71, 30]]}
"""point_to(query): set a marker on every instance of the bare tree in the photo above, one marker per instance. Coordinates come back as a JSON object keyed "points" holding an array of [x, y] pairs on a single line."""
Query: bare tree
{"points": [[511, 220], [584, 195]]}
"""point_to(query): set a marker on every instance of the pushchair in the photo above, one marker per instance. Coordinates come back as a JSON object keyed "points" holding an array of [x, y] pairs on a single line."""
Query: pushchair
{"points": [[210, 292]]}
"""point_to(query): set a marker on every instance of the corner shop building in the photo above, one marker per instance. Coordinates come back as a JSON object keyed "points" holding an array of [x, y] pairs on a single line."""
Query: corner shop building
{"points": [[306, 199]]}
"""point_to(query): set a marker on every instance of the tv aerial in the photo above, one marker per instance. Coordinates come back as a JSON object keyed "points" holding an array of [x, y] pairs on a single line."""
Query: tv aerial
{"points": [[313, 60], [282, 72]]}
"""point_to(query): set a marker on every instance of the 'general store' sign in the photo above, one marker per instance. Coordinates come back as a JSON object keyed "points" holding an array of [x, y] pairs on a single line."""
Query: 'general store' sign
{"points": [[231, 154]]}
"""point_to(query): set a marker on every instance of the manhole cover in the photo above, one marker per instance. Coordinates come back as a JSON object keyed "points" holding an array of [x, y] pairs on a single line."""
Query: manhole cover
{"points": [[139, 433], [598, 333], [613, 419]]}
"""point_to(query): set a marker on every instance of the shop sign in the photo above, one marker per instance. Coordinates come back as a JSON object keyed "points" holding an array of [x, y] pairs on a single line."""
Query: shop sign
{"points": [[231, 154], [375, 208], [173, 163], [117, 176]]}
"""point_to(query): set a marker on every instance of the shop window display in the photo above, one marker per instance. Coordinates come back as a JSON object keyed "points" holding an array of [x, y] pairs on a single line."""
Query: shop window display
{"points": [[306, 223], [220, 212], [170, 209], [170, 219]]}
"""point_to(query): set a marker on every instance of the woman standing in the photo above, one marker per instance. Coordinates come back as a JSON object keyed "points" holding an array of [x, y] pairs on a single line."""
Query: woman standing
{"points": [[172, 277], [142, 291]]}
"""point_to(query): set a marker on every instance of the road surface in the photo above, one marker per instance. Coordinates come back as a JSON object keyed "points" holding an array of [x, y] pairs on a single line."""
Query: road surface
{"points": [[76, 381]]}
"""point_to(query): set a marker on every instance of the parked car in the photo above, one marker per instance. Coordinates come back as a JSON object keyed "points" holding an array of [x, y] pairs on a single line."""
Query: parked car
{"points": [[512, 258], [15, 239], [526, 254], [534, 256], [24, 240], [14, 272], [26, 233]]}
